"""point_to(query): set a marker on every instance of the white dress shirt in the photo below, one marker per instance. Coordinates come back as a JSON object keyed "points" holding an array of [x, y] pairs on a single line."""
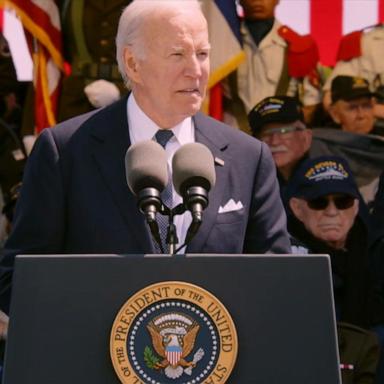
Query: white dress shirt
{"points": [[141, 128]]}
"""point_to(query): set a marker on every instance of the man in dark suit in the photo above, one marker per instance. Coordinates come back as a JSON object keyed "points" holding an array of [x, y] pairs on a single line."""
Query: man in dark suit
{"points": [[75, 198]]}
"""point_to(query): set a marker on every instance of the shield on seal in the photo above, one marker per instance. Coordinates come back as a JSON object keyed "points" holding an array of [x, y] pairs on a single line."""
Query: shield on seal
{"points": [[173, 353]]}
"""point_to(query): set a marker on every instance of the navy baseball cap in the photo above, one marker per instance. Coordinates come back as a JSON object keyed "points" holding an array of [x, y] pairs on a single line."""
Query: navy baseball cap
{"points": [[274, 109], [322, 176]]}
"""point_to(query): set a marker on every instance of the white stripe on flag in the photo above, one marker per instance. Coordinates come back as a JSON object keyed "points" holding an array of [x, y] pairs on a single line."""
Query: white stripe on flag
{"points": [[14, 33], [295, 14], [50, 8], [358, 14]]}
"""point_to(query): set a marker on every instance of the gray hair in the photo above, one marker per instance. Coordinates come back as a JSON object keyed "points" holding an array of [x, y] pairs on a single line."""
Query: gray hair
{"points": [[134, 16]]}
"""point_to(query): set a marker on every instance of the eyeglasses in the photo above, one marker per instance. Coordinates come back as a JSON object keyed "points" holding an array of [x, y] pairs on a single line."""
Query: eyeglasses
{"points": [[341, 202], [281, 130]]}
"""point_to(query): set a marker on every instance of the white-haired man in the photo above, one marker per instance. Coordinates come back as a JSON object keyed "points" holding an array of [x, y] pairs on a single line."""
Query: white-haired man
{"points": [[75, 179]]}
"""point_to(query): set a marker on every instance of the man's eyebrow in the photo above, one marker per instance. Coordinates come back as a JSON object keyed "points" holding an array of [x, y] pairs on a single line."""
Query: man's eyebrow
{"points": [[179, 48], [206, 47]]}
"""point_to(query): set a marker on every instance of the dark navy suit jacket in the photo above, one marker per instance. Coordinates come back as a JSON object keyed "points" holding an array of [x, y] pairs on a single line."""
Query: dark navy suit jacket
{"points": [[75, 198]]}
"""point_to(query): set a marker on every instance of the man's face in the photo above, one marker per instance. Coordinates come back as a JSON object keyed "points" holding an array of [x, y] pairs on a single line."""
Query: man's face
{"points": [[330, 224], [169, 83], [259, 9], [355, 115], [288, 142]]}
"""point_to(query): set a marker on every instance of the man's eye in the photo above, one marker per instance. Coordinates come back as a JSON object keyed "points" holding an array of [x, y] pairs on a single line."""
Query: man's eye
{"points": [[202, 55]]}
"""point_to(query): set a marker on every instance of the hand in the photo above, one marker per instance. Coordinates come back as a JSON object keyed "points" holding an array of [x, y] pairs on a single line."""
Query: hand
{"points": [[101, 93]]}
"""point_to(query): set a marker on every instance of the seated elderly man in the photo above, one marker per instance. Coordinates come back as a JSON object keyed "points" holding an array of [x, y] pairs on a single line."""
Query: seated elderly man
{"points": [[352, 104], [377, 252], [377, 235], [325, 218], [279, 122]]}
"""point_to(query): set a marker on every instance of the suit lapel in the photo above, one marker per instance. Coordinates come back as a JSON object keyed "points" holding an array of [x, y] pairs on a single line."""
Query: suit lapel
{"points": [[218, 144], [110, 141]]}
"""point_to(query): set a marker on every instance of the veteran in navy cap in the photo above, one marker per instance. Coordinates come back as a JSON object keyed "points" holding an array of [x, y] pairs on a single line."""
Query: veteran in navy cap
{"points": [[323, 196], [279, 122], [326, 216]]}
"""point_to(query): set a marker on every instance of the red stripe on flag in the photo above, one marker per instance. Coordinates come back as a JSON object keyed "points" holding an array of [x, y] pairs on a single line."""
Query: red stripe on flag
{"points": [[327, 28], [381, 11], [216, 102]]}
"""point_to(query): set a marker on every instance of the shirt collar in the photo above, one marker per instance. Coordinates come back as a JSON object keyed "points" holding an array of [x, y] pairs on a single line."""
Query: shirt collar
{"points": [[141, 127]]}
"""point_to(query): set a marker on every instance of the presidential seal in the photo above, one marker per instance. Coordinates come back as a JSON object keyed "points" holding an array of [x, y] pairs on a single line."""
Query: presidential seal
{"points": [[173, 332]]}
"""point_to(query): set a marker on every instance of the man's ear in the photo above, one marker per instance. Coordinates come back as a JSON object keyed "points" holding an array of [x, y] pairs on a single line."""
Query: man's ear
{"points": [[131, 65], [295, 205], [334, 112], [356, 205], [308, 138]]}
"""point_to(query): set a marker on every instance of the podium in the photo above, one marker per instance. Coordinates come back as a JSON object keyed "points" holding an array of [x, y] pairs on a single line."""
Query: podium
{"points": [[64, 307]]}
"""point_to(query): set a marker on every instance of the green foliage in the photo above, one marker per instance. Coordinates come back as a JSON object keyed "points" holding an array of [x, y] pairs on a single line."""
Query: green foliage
{"points": [[149, 357]]}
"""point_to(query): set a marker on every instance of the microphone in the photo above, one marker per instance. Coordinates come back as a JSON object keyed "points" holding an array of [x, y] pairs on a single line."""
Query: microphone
{"points": [[147, 175], [193, 174]]}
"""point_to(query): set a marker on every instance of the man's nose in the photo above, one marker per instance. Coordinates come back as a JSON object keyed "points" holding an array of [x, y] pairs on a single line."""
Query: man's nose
{"points": [[193, 68], [275, 138], [331, 209], [361, 111]]}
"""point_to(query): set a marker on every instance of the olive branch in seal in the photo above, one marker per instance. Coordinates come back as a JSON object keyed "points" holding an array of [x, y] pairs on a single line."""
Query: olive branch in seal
{"points": [[150, 359]]}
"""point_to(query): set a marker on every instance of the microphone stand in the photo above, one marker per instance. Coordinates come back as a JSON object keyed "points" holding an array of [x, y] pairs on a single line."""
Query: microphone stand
{"points": [[196, 202], [171, 238]]}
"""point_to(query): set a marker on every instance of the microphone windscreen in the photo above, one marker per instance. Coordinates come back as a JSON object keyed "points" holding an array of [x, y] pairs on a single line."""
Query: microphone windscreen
{"points": [[146, 166], [193, 165]]}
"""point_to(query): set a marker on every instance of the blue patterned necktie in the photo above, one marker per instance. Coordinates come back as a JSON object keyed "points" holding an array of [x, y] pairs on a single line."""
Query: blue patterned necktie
{"points": [[162, 137]]}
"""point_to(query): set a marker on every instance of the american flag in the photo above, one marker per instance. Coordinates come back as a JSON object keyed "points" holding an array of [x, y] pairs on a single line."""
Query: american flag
{"points": [[41, 21]]}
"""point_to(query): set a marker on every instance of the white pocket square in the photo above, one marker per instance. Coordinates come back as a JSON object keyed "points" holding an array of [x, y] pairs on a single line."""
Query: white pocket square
{"points": [[231, 206]]}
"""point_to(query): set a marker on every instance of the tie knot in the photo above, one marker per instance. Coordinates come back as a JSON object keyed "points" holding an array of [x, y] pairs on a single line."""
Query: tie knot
{"points": [[163, 136]]}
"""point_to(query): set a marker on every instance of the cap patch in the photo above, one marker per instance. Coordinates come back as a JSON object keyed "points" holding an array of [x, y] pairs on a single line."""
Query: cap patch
{"points": [[327, 170], [359, 82]]}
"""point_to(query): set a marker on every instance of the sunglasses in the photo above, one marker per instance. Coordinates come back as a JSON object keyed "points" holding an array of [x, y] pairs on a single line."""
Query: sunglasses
{"points": [[321, 203]]}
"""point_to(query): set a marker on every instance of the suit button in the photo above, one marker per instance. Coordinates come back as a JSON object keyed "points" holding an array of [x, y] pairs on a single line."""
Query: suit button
{"points": [[104, 59], [104, 24], [104, 42]]}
